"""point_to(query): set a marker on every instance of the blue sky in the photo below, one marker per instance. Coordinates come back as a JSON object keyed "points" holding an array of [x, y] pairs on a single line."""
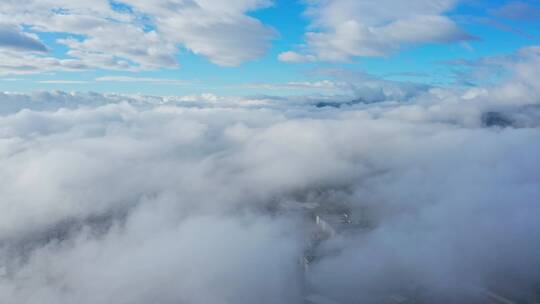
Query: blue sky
{"points": [[259, 32]]}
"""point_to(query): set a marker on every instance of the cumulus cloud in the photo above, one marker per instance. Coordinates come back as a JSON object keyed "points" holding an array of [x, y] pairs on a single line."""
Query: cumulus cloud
{"points": [[134, 34], [139, 199], [343, 29], [220, 31]]}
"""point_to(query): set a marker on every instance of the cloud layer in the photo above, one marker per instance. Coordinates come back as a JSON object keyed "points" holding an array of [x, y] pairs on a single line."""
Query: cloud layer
{"points": [[141, 199]]}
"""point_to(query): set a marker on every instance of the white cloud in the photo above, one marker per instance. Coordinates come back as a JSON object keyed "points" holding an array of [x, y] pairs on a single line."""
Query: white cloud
{"points": [[111, 198], [144, 37], [343, 29], [217, 30]]}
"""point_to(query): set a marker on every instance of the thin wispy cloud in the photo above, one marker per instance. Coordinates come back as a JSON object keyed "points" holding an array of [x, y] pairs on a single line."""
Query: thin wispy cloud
{"points": [[315, 85], [517, 10], [60, 81], [141, 79]]}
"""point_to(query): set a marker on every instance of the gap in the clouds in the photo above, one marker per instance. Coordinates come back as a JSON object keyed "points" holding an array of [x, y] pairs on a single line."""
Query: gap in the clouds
{"points": [[497, 40], [234, 80], [286, 17], [143, 20], [474, 8], [58, 50], [121, 7], [497, 34]]}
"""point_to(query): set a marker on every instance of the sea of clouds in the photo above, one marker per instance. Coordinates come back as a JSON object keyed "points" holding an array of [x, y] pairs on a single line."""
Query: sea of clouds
{"points": [[138, 199]]}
